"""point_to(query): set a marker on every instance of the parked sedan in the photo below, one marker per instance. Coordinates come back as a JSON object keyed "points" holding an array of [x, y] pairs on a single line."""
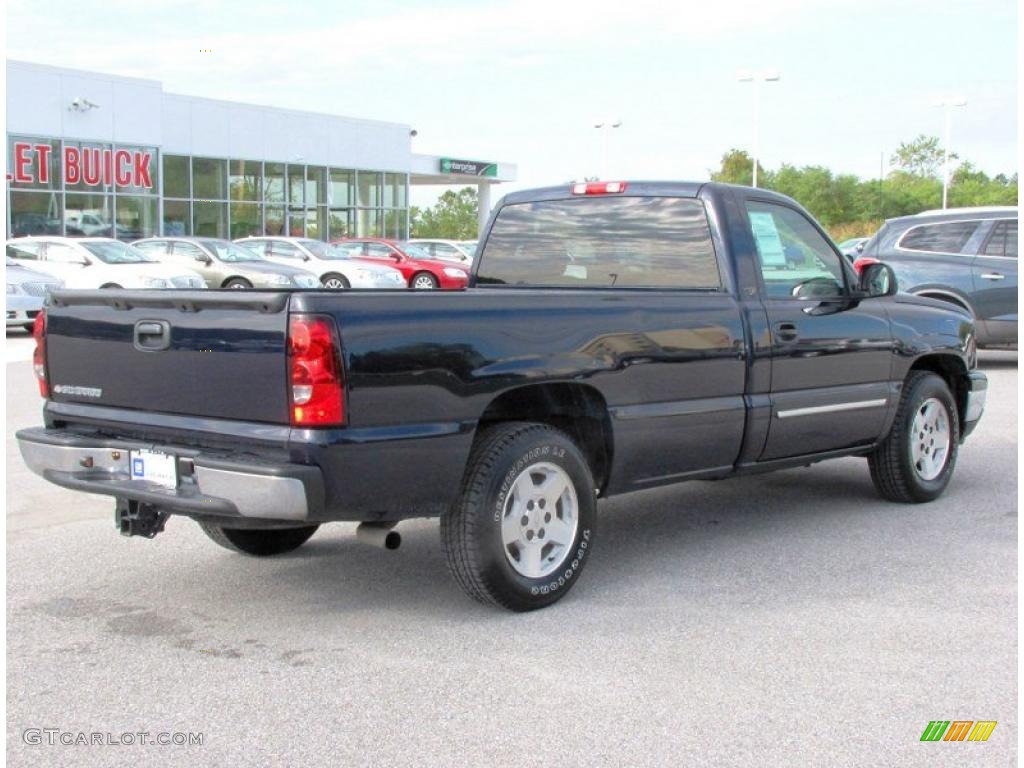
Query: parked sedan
{"points": [[457, 251], [963, 256], [420, 271], [222, 264], [99, 262], [26, 291], [333, 267]]}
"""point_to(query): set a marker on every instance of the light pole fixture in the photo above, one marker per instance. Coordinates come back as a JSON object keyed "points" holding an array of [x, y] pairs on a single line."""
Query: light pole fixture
{"points": [[948, 105], [604, 127], [757, 77]]}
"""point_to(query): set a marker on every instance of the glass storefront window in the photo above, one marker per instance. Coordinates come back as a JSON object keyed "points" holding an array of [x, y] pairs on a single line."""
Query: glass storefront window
{"points": [[274, 223], [273, 182], [316, 223], [245, 220], [136, 217], [369, 189], [177, 221], [89, 215], [209, 219], [394, 190], [35, 213], [369, 223], [314, 187], [296, 184], [33, 163], [176, 176], [341, 192], [341, 222], [244, 179], [296, 222], [209, 179]]}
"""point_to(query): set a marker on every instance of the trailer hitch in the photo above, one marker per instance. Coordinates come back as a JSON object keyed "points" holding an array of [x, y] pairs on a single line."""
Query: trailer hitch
{"points": [[136, 518]]}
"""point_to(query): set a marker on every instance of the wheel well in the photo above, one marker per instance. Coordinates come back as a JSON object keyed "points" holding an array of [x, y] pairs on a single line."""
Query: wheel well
{"points": [[423, 272], [949, 298], [235, 277], [578, 410], [951, 369]]}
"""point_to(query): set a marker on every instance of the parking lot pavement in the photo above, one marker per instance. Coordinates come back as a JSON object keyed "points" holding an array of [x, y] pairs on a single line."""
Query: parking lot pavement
{"points": [[785, 619]]}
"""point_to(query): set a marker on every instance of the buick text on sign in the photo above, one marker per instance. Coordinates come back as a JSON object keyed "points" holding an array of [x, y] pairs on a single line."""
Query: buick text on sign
{"points": [[91, 166]]}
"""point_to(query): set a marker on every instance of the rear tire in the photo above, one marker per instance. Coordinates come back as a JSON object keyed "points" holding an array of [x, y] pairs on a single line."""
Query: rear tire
{"points": [[257, 542], [335, 282], [523, 526], [915, 462]]}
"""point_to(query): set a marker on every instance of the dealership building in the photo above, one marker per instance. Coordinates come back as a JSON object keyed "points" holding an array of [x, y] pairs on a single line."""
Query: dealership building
{"points": [[96, 154]]}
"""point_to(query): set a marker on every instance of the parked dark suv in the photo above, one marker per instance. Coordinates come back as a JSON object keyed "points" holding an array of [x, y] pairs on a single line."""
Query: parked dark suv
{"points": [[965, 256]]}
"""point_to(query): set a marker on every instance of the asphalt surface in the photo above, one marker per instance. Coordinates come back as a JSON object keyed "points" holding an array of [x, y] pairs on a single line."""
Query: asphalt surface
{"points": [[786, 619]]}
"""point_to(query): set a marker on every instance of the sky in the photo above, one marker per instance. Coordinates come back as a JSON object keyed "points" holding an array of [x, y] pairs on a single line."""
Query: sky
{"points": [[524, 81]]}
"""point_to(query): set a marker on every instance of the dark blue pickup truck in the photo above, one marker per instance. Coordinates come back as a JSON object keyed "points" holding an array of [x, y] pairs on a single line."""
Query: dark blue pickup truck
{"points": [[614, 337]]}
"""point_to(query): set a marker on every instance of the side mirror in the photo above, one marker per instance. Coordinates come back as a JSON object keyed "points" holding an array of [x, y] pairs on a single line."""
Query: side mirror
{"points": [[877, 279], [203, 258]]}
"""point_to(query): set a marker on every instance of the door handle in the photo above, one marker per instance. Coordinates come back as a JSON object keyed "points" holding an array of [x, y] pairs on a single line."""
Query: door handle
{"points": [[993, 276], [786, 332]]}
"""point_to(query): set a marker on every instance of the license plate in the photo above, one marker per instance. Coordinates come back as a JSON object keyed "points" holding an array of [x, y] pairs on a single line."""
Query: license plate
{"points": [[159, 468]]}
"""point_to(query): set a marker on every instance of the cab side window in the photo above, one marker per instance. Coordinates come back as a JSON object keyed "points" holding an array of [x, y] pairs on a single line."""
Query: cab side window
{"points": [[796, 261], [154, 248]]}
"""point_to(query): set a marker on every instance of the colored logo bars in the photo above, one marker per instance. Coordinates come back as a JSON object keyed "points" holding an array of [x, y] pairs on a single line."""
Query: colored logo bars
{"points": [[958, 730]]}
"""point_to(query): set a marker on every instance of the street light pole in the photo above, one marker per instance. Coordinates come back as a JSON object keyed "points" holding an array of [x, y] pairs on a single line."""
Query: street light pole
{"points": [[948, 104], [604, 127], [767, 76]]}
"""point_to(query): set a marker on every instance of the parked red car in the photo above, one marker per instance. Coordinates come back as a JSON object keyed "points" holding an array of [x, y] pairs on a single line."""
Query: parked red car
{"points": [[420, 271]]}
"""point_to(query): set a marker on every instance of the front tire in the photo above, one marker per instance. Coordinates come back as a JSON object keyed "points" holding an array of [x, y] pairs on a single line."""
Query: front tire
{"points": [[238, 284], [523, 527], [915, 462], [257, 542], [335, 282], [424, 281]]}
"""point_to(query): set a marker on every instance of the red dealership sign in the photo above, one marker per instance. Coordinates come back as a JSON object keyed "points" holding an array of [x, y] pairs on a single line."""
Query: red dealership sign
{"points": [[91, 166]]}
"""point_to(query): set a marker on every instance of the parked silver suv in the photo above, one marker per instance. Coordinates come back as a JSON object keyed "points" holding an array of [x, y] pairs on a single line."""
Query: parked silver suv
{"points": [[222, 264]]}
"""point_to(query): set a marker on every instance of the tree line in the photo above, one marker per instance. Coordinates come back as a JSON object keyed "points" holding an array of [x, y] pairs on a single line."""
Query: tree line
{"points": [[849, 206], [845, 204]]}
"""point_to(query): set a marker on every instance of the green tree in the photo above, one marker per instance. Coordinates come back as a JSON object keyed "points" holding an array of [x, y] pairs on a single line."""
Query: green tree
{"points": [[453, 217], [920, 157], [737, 167]]}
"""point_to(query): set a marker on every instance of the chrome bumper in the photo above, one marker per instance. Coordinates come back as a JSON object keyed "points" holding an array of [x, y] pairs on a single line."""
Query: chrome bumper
{"points": [[208, 485], [977, 392]]}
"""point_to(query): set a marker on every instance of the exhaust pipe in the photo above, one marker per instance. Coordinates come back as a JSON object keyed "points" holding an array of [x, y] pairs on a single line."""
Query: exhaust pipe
{"points": [[379, 535]]}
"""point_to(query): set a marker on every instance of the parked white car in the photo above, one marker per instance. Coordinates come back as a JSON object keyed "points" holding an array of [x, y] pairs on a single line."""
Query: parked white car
{"points": [[99, 262], [27, 289], [333, 265], [458, 251]]}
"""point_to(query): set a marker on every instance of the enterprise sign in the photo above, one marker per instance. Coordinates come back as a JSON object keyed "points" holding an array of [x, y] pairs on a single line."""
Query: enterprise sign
{"points": [[468, 167], [82, 165]]}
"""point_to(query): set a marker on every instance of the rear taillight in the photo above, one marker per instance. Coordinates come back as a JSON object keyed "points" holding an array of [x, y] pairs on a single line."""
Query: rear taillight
{"points": [[316, 379], [599, 188], [39, 354]]}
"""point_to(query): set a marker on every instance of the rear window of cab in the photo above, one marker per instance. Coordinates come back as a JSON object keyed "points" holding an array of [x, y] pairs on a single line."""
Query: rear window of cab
{"points": [[602, 242]]}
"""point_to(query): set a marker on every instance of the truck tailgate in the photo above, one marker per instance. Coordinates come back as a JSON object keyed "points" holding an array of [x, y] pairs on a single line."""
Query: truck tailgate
{"points": [[202, 353]]}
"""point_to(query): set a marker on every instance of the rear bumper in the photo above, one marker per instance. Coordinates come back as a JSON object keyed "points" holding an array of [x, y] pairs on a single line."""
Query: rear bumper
{"points": [[218, 485], [976, 386]]}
